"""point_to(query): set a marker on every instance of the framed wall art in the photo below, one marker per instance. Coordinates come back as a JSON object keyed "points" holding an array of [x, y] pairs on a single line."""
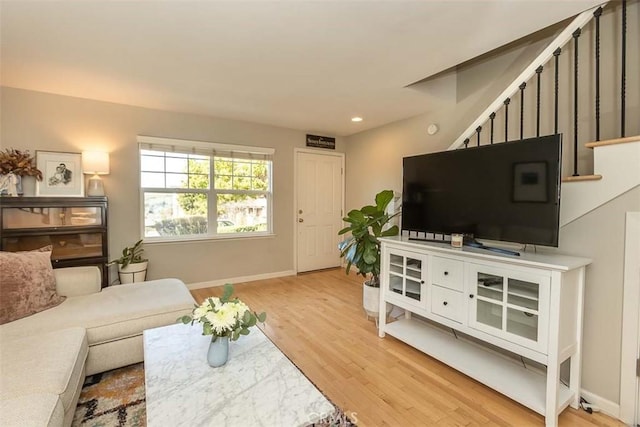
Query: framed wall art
{"points": [[530, 182], [62, 174]]}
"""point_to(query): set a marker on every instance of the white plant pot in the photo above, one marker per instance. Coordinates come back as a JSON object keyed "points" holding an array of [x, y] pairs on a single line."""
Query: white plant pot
{"points": [[371, 301], [133, 273]]}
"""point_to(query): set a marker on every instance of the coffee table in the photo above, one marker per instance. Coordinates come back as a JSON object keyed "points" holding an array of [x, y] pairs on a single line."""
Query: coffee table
{"points": [[258, 386]]}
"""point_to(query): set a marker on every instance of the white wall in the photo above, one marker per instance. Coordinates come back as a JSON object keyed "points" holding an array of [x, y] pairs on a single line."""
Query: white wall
{"points": [[39, 121]]}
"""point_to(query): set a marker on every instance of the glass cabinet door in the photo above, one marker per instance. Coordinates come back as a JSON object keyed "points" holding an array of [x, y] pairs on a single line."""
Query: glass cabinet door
{"points": [[509, 304], [48, 217], [405, 276], [489, 300], [64, 246]]}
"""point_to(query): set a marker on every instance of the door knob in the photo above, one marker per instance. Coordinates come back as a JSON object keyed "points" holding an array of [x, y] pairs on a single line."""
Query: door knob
{"points": [[300, 211], [300, 220]]}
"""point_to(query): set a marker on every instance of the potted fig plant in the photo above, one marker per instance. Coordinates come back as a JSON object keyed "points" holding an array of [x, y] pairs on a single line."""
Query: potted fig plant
{"points": [[362, 247], [132, 267]]}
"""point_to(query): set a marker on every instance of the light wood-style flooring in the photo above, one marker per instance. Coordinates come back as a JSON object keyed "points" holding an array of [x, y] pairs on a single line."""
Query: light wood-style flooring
{"points": [[316, 319]]}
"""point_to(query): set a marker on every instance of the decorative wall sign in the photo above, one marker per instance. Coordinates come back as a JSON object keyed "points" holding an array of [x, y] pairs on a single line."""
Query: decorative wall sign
{"points": [[62, 174], [321, 142]]}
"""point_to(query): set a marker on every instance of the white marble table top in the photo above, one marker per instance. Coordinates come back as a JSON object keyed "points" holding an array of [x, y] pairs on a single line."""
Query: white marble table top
{"points": [[258, 386]]}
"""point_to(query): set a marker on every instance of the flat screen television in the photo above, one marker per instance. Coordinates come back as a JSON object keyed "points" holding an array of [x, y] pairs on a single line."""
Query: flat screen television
{"points": [[506, 191]]}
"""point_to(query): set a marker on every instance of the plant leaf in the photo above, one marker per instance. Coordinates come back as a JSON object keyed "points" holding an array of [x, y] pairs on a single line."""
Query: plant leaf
{"points": [[184, 319], [356, 215], [344, 230], [207, 329], [369, 210], [392, 231], [383, 198], [228, 291]]}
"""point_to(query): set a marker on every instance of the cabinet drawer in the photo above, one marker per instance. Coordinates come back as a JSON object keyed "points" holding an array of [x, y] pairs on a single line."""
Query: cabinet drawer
{"points": [[447, 273], [447, 303]]}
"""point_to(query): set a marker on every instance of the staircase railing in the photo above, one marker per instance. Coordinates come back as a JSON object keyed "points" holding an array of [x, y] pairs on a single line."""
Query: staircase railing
{"points": [[538, 63], [535, 69]]}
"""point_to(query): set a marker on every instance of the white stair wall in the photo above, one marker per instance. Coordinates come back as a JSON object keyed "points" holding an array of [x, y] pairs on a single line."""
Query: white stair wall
{"points": [[619, 165]]}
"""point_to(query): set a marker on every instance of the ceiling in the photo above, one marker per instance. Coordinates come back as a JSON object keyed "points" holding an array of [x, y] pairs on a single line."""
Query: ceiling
{"points": [[308, 65]]}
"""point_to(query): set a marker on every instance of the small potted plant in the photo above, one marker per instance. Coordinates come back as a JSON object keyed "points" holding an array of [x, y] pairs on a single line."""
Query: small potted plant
{"points": [[132, 267], [14, 164], [362, 247]]}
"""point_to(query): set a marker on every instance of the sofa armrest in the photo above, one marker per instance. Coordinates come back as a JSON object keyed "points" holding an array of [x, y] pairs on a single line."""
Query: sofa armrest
{"points": [[77, 281]]}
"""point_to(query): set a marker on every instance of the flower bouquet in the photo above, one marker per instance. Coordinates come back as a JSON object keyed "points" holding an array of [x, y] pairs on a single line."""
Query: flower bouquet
{"points": [[225, 317], [14, 164], [18, 162]]}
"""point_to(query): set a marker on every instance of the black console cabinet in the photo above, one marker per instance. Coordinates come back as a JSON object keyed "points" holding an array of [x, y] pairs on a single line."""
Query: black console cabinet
{"points": [[76, 228]]}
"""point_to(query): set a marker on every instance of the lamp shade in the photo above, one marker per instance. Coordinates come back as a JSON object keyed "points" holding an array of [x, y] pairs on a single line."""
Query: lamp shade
{"points": [[95, 162]]}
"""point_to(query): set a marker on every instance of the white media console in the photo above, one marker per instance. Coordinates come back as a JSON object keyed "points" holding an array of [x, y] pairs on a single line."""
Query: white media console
{"points": [[530, 305]]}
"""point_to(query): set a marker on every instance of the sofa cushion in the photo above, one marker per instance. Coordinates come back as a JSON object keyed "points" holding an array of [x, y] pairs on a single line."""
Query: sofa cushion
{"points": [[27, 285], [47, 363], [115, 313], [34, 410]]}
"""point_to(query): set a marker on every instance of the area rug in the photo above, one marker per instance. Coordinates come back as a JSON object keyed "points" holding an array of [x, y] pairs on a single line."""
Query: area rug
{"points": [[116, 399]]}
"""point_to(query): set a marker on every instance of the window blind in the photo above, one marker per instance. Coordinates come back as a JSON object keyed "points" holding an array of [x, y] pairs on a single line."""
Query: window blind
{"points": [[204, 148]]}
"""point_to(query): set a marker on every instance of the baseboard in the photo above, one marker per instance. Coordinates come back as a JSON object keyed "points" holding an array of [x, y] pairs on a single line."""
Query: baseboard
{"points": [[240, 279], [606, 406]]}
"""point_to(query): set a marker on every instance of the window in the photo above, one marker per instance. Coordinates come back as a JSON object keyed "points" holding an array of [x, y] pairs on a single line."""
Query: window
{"points": [[194, 189]]}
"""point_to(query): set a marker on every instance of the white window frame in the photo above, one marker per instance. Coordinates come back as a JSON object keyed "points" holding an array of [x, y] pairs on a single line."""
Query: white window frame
{"points": [[211, 149]]}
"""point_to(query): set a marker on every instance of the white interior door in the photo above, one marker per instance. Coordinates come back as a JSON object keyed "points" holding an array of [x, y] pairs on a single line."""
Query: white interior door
{"points": [[319, 204]]}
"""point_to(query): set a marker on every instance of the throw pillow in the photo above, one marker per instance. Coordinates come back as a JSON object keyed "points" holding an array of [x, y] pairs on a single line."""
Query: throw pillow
{"points": [[27, 284]]}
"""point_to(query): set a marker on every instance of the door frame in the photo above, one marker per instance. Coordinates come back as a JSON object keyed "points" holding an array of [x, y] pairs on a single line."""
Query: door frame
{"points": [[296, 151], [630, 319]]}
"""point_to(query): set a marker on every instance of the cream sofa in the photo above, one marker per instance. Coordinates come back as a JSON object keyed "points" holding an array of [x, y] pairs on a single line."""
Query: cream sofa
{"points": [[44, 357]]}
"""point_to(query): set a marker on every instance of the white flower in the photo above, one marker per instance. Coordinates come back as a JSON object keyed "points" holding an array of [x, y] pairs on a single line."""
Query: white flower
{"points": [[240, 308], [199, 313], [222, 320]]}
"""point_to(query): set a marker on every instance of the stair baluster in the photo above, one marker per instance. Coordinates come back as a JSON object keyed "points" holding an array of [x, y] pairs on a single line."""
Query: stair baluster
{"points": [[538, 74], [597, 14], [506, 119], [478, 129], [623, 66], [522, 87], [576, 36], [556, 54], [492, 116]]}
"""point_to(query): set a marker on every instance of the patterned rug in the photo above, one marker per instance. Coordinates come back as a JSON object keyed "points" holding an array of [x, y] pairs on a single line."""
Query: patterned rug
{"points": [[116, 399], [113, 398]]}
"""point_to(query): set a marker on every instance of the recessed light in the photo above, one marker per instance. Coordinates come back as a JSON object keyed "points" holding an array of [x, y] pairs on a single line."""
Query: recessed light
{"points": [[356, 119]]}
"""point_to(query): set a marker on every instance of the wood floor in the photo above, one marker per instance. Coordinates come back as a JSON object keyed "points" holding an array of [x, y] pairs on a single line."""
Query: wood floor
{"points": [[316, 319]]}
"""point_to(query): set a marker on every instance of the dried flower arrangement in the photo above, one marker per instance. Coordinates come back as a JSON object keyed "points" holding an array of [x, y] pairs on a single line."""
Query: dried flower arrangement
{"points": [[19, 163]]}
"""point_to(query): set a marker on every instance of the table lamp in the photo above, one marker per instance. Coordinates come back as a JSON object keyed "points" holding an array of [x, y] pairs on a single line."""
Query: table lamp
{"points": [[95, 163]]}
